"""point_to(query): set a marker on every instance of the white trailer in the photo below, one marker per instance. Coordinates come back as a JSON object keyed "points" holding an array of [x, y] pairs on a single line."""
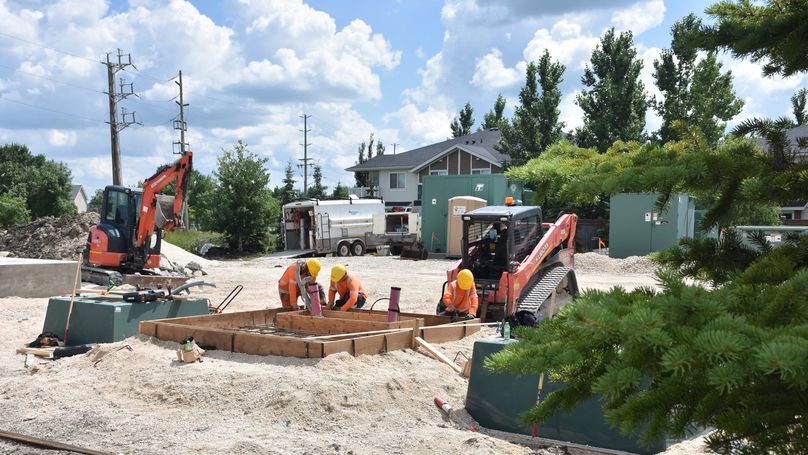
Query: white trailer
{"points": [[343, 227]]}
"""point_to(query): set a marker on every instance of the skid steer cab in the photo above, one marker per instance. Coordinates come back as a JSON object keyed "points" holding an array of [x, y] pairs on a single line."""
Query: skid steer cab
{"points": [[523, 268]]}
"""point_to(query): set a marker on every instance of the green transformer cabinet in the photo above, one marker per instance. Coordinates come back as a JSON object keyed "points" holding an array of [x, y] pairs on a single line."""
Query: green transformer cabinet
{"points": [[438, 189], [106, 321], [498, 400], [637, 227]]}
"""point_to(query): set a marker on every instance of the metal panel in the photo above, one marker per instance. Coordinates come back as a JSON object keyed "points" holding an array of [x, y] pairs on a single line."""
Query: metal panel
{"points": [[498, 400], [637, 227]]}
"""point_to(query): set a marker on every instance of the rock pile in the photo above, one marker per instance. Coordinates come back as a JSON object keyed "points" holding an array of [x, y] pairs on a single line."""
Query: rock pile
{"points": [[594, 262], [49, 237]]}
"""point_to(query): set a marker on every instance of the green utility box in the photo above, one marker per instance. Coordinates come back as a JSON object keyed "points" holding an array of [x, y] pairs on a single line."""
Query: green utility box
{"points": [[498, 400], [637, 227], [438, 189], [105, 321]]}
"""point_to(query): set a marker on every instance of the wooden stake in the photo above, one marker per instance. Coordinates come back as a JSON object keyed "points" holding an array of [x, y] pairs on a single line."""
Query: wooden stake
{"points": [[437, 354], [416, 333], [73, 297], [48, 444]]}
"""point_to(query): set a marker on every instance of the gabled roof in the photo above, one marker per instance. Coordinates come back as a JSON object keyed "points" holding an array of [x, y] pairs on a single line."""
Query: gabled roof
{"points": [[74, 190], [792, 134], [480, 143]]}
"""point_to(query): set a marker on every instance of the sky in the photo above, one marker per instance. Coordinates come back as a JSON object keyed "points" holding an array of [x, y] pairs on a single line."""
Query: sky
{"points": [[400, 69]]}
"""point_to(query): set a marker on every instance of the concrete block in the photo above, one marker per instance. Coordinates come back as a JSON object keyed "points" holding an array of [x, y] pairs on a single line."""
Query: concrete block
{"points": [[22, 277]]}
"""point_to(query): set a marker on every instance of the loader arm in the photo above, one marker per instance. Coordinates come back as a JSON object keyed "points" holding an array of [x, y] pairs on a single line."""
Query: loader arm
{"points": [[181, 171]]}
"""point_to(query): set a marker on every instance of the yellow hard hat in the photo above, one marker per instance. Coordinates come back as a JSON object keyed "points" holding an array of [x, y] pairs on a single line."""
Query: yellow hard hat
{"points": [[314, 266], [337, 272], [465, 280]]}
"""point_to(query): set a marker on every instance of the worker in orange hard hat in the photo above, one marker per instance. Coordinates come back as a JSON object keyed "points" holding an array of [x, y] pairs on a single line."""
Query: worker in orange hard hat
{"points": [[295, 278], [350, 290], [460, 298]]}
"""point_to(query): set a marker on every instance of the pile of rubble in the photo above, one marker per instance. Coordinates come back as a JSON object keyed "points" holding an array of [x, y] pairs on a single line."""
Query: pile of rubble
{"points": [[594, 262], [49, 237]]}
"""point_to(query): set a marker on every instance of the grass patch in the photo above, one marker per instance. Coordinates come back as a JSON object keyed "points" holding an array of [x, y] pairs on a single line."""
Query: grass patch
{"points": [[190, 240]]}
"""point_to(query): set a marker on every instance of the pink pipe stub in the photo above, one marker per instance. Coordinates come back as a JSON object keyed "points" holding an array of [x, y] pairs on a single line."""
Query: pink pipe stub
{"points": [[392, 308], [314, 299]]}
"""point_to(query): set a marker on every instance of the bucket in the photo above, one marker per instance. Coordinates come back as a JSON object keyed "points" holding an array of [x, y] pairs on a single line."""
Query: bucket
{"points": [[383, 250]]}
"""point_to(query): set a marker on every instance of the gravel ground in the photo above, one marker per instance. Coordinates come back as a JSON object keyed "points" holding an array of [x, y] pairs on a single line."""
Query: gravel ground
{"points": [[144, 402]]}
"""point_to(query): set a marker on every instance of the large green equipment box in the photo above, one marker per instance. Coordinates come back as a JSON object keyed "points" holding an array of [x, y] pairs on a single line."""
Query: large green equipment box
{"points": [[438, 189], [106, 321], [637, 227], [498, 400]]}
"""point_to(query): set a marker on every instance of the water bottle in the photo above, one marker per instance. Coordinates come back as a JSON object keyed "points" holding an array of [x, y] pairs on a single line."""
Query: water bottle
{"points": [[506, 331]]}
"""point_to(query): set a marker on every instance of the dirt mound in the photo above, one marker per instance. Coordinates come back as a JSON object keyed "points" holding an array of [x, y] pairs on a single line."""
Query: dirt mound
{"points": [[594, 262], [49, 237]]}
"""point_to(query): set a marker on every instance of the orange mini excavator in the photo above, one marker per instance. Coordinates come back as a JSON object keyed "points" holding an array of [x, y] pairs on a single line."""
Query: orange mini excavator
{"points": [[126, 239], [523, 268]]}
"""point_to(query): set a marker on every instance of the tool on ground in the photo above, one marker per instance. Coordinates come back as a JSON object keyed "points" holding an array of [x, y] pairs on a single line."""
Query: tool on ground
{"points": [[76, 282], [522, 267], [392, 308], [534, 431], [443, 405], [126, 240], [39, 442], [315, 308], [189, 351], [101, 356], [227, 300], [146, 295]]}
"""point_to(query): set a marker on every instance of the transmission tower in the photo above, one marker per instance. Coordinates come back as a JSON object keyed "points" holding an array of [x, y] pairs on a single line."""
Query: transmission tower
{"points": [[115, 127], [305, 161], [180, 124]]}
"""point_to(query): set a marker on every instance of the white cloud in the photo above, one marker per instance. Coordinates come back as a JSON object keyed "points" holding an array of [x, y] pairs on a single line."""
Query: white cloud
{"points": [[749, 79], [490, 72], [566, 41], [639, 17], [59, 138], [423, 127], [571, 114], [430, 90]]}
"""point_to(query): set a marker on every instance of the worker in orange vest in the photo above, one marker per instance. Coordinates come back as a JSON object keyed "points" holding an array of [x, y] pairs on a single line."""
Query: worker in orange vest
{"points": [[460, 298], [289, 287], [350, 290]]}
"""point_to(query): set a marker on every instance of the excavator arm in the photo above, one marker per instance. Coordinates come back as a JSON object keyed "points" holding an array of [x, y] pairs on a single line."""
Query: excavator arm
{"points": [[179, 171]]}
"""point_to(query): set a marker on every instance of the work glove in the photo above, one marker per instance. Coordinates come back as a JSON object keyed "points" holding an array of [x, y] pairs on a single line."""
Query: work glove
{"points": [[468, 316]]}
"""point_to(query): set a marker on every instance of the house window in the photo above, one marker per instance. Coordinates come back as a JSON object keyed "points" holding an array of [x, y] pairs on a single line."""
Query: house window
{"points": [[481, 171], [397, 180], [443, 172]]}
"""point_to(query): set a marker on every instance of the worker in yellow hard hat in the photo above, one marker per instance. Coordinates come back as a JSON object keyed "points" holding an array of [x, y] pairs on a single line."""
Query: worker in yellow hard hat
{"points": [[460, 298], [351, 293], [293, 281]]}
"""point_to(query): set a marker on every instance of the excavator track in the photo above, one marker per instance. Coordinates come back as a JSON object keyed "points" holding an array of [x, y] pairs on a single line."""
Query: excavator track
{"points": [[544, 286]]}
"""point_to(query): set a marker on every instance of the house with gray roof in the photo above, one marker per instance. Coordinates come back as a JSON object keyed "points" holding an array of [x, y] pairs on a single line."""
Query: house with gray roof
{"points": [[793, 210], [79, 198], [397, 178]]}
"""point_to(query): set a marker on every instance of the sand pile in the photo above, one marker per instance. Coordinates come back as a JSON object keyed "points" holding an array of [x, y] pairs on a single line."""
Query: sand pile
{"points": [[594, 262], [49, 237]]}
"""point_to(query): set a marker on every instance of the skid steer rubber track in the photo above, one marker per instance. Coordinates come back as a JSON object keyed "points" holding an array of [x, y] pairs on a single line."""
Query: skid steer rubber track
{"points": [[543, 287]]}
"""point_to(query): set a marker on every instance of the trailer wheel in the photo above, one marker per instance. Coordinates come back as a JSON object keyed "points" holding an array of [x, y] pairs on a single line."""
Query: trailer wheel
{"points": [[344, 249], [358, 248]]}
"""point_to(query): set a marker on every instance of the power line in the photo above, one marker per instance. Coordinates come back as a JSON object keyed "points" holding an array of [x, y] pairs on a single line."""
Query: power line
{"points": [[52, 110], [47, 47], [16, 70]]}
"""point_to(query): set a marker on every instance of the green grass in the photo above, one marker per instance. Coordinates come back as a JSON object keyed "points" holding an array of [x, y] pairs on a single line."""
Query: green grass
{"points": [[188, 240]]}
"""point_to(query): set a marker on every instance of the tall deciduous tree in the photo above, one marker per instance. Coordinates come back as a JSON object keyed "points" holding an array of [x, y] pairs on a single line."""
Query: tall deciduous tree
{"points": [[698, 93], [361, 177], [380, 148], [614, 100], [44, 184], [461, 125], [244, 205], [798, 106], [317, 190], [535, 122], [12, 210], [495, 117], [773, 33]]}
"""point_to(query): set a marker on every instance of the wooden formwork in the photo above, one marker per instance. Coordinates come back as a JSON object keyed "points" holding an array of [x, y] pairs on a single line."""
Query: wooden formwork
{"points": [[280, 331]]}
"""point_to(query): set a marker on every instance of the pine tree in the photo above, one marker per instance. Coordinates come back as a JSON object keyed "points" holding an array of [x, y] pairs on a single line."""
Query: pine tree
{"points": [[380, 148], [495, 117], [697, 93], [288, 192], [461, 125], [317, 190], [550, 77], [798, 106], [614, 102], [340, 192], [773, 34]]}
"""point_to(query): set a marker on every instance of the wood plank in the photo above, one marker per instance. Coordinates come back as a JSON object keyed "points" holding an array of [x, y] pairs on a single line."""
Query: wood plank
{"points": [[437, 354], [315, 349], [343, 335], [148, 328], [39, 442], [46, 353], [398, 340], [444, 333], [332, 325], [367, 345], [229, 320], [361, 315], [204, 336], [333, 347], [250, 343]]}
